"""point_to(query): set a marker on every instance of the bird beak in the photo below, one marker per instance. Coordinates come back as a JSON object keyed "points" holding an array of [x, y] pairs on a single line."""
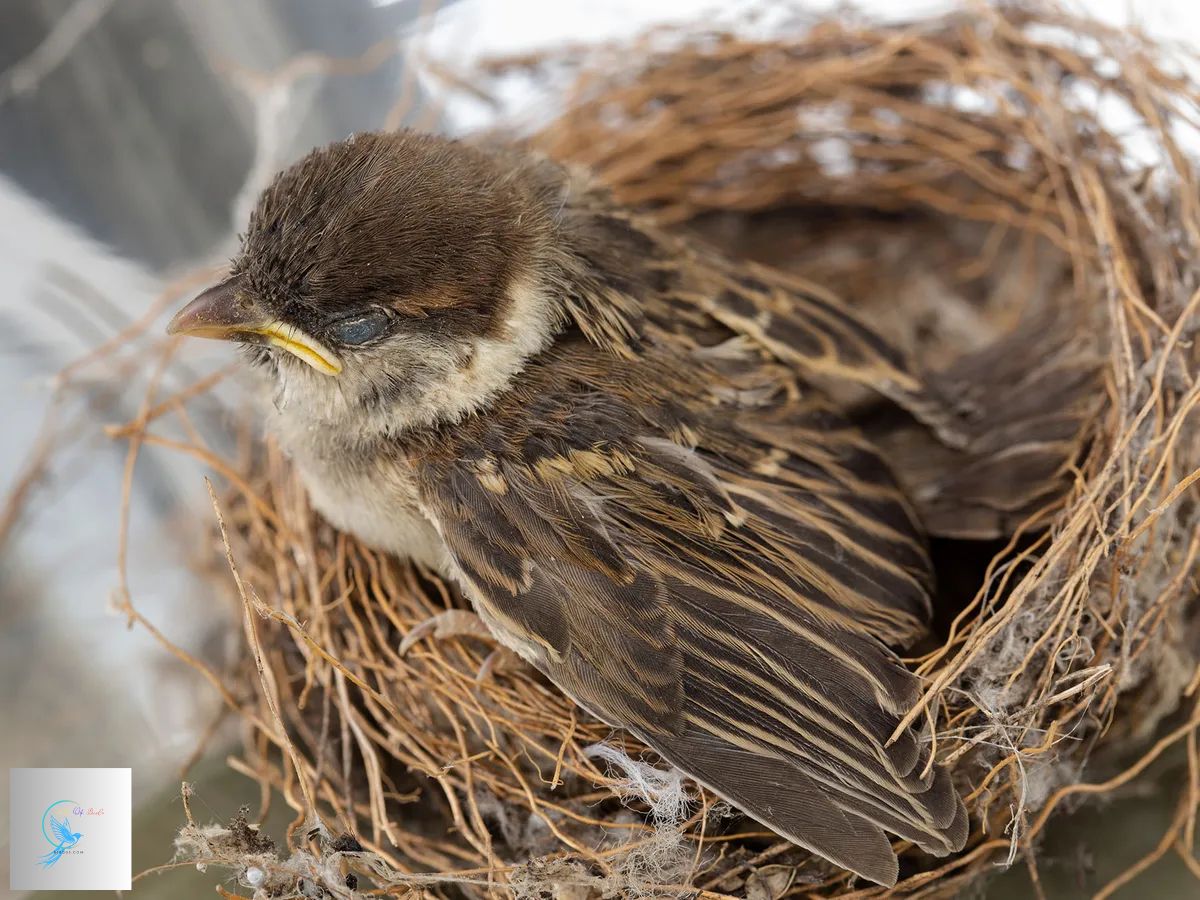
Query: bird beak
{"points": [[228, 313]]}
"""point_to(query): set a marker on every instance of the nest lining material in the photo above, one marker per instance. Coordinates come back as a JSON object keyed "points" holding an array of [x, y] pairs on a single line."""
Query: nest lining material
{"points": [[953, 177]]}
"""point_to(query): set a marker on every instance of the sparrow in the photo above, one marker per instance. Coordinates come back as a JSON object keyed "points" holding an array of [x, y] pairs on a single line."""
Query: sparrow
{"points": [[614, 440]]}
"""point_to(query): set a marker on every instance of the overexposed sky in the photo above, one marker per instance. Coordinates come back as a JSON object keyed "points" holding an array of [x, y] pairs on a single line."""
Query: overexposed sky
{"points": [[468, 30], [474, 27]]}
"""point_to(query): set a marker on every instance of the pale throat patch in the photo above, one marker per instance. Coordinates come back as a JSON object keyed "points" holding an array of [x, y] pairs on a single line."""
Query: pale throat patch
{"points": [[328, 436], [334, 443], [452, 390]]}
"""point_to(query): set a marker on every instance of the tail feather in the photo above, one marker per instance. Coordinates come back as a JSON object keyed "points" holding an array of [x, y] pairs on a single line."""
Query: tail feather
{"points": [[787, 801], [796, 735], [829, 819]]}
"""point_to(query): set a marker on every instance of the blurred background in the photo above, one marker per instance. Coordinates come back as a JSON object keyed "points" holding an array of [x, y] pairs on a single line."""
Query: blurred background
{"points": [[134, 135]]}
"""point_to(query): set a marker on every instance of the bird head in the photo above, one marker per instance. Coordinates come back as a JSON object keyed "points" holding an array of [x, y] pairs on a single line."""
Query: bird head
{"points": [[400, 275]]}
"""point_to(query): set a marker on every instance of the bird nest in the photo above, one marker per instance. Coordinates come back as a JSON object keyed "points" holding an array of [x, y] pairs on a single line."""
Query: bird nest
{"points": [[951, 177]]}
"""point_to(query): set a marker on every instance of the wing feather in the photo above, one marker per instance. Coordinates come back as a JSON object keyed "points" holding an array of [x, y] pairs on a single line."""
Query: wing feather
{"points": [[717, 583], [804, 325]]}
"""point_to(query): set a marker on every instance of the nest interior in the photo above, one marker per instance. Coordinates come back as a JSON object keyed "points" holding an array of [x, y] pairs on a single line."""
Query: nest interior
{"points": [[954, 178]]}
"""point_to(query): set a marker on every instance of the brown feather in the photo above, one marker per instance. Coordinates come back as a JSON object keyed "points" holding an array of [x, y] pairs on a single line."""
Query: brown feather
{"points": [[750, 626], [1033, 394], [612, 438]]}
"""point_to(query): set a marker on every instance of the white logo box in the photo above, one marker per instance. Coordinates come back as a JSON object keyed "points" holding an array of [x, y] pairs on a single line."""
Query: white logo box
{"points": [[70, 829]]}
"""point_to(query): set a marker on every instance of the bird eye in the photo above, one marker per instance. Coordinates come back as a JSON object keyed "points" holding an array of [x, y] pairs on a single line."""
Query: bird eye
{"points": [[360, 329]]}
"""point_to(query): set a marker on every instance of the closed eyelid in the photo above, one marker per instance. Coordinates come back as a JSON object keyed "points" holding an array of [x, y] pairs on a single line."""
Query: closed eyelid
{"points": [[361, 328]]}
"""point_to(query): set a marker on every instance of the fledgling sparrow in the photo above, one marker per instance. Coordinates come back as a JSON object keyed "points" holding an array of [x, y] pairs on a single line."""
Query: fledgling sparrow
{"points": [[604, 434]]}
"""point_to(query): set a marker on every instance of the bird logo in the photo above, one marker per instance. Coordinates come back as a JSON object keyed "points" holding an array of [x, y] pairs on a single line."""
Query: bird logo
{"points": [[57, 832]]}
